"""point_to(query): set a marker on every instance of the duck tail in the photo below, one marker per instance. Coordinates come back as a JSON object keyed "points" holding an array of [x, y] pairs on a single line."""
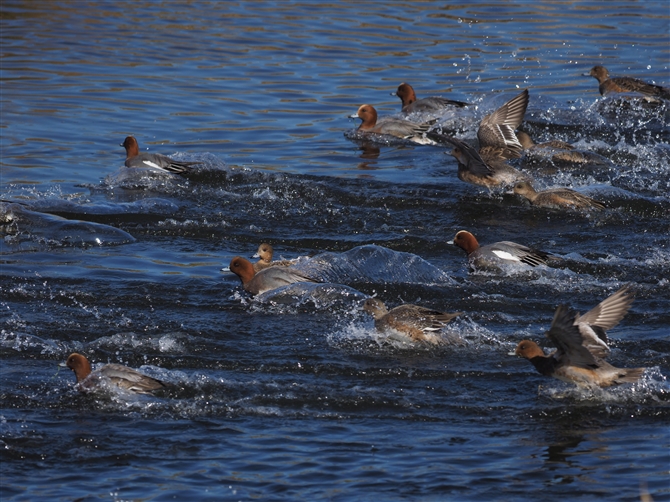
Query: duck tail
{"points": [[629, 375]]}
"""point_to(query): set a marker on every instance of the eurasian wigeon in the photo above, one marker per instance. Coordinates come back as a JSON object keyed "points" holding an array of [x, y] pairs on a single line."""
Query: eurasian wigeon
{"points": [[408, 322], [582, 345], [490, 172], [497, 143], [625, 84], [433, 104], [499, 253], [527, 143], [265, 253], [560, 152], [136, 159], [117, 374], [556, 198], [392, 126], [268, 278]]}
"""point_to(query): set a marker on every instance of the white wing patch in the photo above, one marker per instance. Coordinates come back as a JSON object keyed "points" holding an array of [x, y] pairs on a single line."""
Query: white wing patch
{"points": [[154, 165], [505, 255]]}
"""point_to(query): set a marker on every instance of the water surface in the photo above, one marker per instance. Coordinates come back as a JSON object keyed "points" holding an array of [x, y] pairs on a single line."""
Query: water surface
{"points": [[295, 396]]}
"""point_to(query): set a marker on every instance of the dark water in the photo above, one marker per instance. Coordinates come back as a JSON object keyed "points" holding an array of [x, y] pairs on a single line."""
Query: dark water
{"points": [[295, 396]]}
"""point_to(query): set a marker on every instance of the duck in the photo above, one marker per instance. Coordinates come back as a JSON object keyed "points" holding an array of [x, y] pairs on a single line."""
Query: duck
{"points": [[267, 279], [265, 253], [120, 376], [497, 143], [489, 172], [560, 152], [556, 198], [392, 126], [155, 160], [432, 104], [581, 345], [499, 253], [609, 85], [527, 143], [408, 322]]}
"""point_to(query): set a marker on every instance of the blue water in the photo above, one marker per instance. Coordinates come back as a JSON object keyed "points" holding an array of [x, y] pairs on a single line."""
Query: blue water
{"points": [[295, 396]]}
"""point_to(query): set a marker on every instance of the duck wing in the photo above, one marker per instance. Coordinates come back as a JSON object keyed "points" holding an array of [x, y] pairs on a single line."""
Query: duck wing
{"points": [[567, 338]]}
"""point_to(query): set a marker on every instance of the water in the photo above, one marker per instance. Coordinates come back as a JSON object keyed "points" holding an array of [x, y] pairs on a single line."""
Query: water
{"points": [[295, 396]]}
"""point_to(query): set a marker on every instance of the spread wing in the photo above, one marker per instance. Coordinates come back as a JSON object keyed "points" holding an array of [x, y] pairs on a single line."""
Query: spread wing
{"points": [[605, 315], [568, 339], [610, 311], [497, 129]]}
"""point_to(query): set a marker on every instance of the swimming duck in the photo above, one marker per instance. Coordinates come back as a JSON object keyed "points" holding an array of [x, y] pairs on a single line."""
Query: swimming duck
{"points": [[560, 152], [625, 84], [499, 253], [556, 198], [408, 322], [268, 278], [119, 375], [392, 126], [265, 253], [136, 159], [527, 143], [411, 104]]}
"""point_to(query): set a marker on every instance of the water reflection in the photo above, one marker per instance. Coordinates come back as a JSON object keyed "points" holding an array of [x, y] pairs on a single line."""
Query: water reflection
{"points": [[369, 151]]}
